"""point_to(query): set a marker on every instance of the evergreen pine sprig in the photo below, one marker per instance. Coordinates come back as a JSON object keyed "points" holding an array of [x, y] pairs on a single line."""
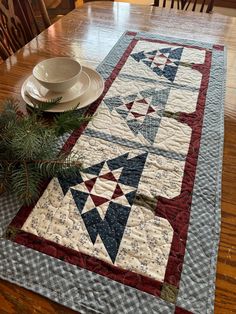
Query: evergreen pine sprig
{"points": [[30, 149]]}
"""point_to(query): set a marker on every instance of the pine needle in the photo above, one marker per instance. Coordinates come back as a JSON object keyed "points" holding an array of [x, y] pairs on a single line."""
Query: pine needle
{"points": [[29, 148]]}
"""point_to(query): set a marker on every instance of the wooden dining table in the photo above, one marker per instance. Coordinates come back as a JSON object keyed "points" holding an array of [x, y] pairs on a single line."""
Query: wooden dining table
{"points": [[87, 34]]}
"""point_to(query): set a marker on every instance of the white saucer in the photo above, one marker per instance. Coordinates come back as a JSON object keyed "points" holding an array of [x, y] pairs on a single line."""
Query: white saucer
{"points": [[92, 93], [40, 93]]}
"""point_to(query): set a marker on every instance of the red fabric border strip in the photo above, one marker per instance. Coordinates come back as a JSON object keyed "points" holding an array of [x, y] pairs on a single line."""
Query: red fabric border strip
{"points": [[177, 210]]}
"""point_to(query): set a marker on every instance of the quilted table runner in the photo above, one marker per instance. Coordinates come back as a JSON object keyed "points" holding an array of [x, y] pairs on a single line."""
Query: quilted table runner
{"points": [[137, 231]]}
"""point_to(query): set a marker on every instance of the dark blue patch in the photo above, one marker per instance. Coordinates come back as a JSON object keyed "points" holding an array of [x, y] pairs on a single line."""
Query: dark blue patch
{"points": [[95, 169], [130, 98], [160, 98], [92, 219], [132, 171], [138, 56], [134, 126], [123, 113], [148, 63], [150, 127], [80, 198], [169, 72], [113, 102], [175, 53], [158, 71], [67, 182], [152, 53], [111, 229], [117, 162], [130, 197], [164, 50]]}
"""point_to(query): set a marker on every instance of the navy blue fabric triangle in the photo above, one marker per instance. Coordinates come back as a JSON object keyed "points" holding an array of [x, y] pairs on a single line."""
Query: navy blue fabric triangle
{"points": [[160, 97], [113, 102], [123, 113], [67, 182], [80, 198], [170, 72], [111, 229], [148, 63], [134, 126], [92, 220], [158, 71], [117, 162], [130, 98], [130, 197], [95, 169], [138, 56], [165, 50], [153, 53], [176, 53], [132, 171], [150, 128]]}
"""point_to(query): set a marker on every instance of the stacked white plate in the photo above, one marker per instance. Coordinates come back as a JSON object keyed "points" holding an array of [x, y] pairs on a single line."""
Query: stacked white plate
{"points": [[88, 89]]}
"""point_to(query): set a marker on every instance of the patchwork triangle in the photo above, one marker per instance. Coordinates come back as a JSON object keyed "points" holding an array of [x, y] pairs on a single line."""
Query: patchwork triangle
{"points": [[90, 183], [137, 115], [142, 101], [151, 110], [129, 105], [118, 192], [98, 200], [95, 170], [165, 50], [108, 176], [89, 205], [104, 170], [162, 56]]}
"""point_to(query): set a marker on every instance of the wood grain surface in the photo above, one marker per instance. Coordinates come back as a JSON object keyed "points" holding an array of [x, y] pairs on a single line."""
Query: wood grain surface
{"points": [[88, 33]]}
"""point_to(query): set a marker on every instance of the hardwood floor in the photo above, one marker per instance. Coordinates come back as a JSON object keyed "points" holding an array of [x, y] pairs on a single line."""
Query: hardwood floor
{"points": [[17, 300]]}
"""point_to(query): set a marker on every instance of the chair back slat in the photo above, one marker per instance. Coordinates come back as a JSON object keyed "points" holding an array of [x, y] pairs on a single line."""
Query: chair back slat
{"points": [[210, 6], [202, 6], [18, 24], [3, 52], [44, 13], [194, 5], [13, 26], [29, 17], [5, 49]]}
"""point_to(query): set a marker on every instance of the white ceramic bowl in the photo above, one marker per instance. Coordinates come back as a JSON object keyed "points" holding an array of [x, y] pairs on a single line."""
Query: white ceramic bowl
{"points": [[57, 74]]}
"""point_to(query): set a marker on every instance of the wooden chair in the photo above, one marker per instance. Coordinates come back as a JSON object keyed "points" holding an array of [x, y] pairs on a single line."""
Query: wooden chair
{"points": [[194, 5], [59, 8], [178, 4], [18, 24]]}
